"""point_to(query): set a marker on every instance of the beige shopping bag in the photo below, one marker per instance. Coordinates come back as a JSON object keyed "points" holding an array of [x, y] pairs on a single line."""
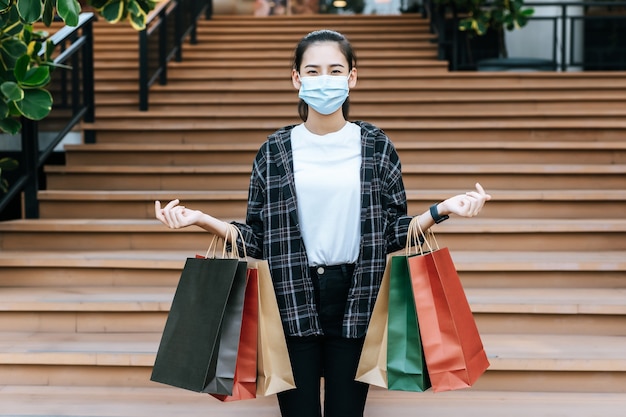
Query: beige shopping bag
{"points": [[373, 363], [274, 373]]}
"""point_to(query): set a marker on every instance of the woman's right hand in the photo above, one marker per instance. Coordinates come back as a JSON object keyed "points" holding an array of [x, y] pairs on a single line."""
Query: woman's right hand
{"points": [[176, 216]]}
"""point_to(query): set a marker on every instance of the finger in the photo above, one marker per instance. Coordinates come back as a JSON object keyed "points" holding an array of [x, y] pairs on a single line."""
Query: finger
{"points": [[171, 204], [170, 217], [481, 191], [158, 211]]}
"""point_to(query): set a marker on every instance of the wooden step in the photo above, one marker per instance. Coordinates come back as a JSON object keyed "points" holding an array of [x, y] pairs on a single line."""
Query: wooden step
{"points": [[126, 309], [422, 81], [366, 96], [416, 176], [536, 362], [365, 111], [64, 204], [162, 401], [587, 131], [507, 270], [482, 234], [421, 150]]}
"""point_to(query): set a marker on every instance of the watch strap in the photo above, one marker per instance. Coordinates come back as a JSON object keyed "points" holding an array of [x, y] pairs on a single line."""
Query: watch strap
{"points": [[435, 214]]}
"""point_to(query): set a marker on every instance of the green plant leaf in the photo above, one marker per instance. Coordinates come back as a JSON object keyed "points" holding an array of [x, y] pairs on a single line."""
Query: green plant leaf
{"points": [[4, 5], [12, 91], [13, 110], [98, 4], [30, 10], [69, 11], [10, 125], [14, 47], [4, 109], [146, 5], [113, 11], [36, 77], [36, 105], [8, 164], [21, 66], [48, 12]]}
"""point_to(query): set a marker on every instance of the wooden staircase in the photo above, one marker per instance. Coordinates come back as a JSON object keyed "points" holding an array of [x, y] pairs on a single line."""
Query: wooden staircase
{"points": [[85, 289]]}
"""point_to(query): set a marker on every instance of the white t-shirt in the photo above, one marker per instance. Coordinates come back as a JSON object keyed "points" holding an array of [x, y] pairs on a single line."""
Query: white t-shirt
{"points": [[327, 172]]}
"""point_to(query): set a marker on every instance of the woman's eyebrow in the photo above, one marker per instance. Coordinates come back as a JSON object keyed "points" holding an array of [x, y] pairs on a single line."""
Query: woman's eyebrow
{"points": [[318, 66]]}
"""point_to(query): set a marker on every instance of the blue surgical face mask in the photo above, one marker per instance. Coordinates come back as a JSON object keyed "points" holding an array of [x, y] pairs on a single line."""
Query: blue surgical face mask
{"points": [[324, 93]]}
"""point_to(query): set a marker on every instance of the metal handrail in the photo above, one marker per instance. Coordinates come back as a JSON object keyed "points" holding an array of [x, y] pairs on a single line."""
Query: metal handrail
{"points": [[170, 23], [438, 12], [31, 158]]}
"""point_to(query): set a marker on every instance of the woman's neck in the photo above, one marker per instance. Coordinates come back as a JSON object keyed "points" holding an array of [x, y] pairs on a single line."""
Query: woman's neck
{"points": [[323, 125]]}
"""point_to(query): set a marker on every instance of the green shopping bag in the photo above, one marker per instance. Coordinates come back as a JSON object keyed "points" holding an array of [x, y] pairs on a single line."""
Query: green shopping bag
{"points": [[406, 367]]}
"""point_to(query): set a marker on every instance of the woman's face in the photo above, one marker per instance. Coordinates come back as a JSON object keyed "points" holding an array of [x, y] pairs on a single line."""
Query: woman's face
{"points": [[324, 58]]}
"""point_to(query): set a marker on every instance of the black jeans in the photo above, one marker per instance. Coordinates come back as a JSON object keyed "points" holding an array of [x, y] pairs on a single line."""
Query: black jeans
{"points": [[330, 356]]}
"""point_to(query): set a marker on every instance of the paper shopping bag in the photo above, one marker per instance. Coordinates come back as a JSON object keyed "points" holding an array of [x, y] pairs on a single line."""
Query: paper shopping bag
{"points": [[274, 373], [452, 346], [189, 346], [406, 366], [372, 367], [244, 386], [225, 361]]}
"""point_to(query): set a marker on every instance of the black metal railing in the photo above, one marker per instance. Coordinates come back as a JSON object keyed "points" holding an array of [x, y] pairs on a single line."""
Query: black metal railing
{"points": [[570, 34], [73, 92], [161, 41]]}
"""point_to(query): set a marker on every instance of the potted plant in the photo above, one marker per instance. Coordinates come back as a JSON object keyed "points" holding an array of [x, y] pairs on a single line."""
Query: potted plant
{"points": [[480, 26], [26, 55], [495, 15]]}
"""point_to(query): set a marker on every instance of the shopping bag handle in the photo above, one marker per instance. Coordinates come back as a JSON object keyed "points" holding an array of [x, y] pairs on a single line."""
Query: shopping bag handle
{"points": [[414, 234], [231, 234]]}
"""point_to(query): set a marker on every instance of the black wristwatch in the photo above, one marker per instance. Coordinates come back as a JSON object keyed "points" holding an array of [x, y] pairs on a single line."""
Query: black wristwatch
{"points": [[435, 214]]}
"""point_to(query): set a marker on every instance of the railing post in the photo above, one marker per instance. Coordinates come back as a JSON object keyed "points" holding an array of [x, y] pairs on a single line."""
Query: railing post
{"points": [[208, 12], [194, 12], [88, 82], [563, 37], [143, 70], [163, 29], [179, 30], [30, 152]]}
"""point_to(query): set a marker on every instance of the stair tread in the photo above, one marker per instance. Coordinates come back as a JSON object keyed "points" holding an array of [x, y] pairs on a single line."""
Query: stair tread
{"points": [[505, 351], [419, 145], [401, 110], [472, 225], [406, 168], [242, 195], [548, 300], [464, 260], [163, 401], [270, 125], [158, 298], [91, 298]]}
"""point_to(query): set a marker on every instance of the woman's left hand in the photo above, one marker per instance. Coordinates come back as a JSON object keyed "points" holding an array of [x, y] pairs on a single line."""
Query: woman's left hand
{"points": [[465, 205]]}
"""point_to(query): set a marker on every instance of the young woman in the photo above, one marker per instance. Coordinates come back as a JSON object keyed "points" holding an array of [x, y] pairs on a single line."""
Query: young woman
{"points": [[326, 205]]}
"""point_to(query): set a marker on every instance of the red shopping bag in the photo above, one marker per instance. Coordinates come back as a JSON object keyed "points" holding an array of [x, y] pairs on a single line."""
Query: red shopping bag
{"points": [[244, 386], [453, 350]]}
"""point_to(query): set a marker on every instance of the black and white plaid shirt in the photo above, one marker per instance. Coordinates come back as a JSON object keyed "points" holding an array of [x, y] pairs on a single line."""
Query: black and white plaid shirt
{"points": [[272, 232]]}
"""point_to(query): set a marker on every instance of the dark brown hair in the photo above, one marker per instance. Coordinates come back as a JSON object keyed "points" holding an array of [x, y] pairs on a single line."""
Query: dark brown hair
{"points": [[324, 35]]}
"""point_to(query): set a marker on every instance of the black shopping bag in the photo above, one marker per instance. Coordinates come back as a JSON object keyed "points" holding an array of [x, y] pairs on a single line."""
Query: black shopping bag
{"points": [[225, 360], [188, 355]]}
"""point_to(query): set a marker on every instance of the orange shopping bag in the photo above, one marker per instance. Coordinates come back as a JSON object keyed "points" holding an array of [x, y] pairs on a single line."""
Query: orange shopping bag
{"points": [[453, 350]]}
